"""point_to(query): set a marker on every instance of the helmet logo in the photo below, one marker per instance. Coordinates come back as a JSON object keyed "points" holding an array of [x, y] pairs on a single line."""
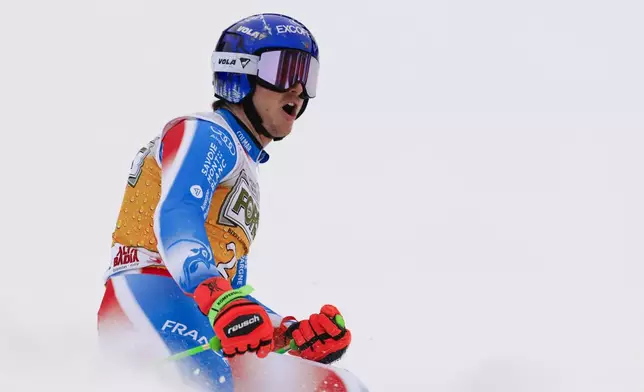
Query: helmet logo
{"points": [[250, 32], [282, 29]]}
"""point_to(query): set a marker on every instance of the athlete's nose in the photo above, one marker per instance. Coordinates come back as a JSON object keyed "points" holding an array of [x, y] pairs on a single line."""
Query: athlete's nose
{"points": [[297, 89]]}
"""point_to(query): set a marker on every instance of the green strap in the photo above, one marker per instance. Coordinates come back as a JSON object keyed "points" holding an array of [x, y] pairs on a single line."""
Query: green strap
{"points": [[226, 298]]}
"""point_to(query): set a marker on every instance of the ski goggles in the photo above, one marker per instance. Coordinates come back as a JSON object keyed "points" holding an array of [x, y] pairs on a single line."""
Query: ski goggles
{"points": [[278, 70]]}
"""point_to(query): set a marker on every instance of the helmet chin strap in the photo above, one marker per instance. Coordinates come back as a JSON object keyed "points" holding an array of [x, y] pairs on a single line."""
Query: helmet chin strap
{"points": [[306, 102], [255, 119]]}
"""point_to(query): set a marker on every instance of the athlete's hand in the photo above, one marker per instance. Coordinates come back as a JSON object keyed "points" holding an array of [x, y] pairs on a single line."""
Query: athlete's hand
{"points": [[240, 324], [322, 337]]}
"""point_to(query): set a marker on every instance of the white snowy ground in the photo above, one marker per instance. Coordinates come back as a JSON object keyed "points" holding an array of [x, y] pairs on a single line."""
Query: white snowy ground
{"points": [[468, 187]]}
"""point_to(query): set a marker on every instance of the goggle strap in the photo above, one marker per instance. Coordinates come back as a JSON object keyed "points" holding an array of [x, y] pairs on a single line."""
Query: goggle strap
{"points": [[234, 62]]}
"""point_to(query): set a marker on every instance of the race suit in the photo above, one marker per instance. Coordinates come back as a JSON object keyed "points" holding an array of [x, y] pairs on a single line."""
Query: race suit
{"points": [[190, 212]]}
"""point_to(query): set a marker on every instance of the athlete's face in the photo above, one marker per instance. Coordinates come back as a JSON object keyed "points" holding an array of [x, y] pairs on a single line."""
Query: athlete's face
{"points": [[278, 110]]}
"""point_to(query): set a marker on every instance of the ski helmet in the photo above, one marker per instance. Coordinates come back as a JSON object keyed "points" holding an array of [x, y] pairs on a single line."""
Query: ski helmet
{"points": [[272, 50]]}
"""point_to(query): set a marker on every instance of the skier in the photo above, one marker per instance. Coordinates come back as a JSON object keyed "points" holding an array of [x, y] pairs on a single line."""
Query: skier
{"points": [[191, 211]]}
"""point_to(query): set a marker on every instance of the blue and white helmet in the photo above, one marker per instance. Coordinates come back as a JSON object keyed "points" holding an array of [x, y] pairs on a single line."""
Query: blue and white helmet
{"points": [[273, 50]]}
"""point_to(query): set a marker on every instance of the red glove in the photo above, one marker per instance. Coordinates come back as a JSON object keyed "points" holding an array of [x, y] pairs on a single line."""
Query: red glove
{"points": [[322, 338], [240, 324]]}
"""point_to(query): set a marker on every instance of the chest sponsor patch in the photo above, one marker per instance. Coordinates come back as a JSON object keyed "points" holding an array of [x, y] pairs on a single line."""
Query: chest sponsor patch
{"points": [[241, 206]]}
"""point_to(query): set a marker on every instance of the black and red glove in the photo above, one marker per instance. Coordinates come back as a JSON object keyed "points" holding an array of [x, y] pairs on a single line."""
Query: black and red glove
{"points": [[322, 337], [241, 325]]}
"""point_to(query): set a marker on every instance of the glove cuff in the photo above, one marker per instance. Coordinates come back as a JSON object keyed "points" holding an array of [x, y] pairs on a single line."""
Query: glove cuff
{"points": [[214, 294]]}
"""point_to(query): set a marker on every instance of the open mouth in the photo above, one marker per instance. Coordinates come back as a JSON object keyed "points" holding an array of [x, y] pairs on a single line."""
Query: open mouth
{"points": [[289, 108]]}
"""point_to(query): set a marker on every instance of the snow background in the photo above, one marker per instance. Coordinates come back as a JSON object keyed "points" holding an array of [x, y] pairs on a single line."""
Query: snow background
{"points": [[466, 188]]}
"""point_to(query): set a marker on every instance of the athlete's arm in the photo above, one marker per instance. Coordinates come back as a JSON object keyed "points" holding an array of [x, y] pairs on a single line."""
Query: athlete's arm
{"points": [[194, 159]]}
